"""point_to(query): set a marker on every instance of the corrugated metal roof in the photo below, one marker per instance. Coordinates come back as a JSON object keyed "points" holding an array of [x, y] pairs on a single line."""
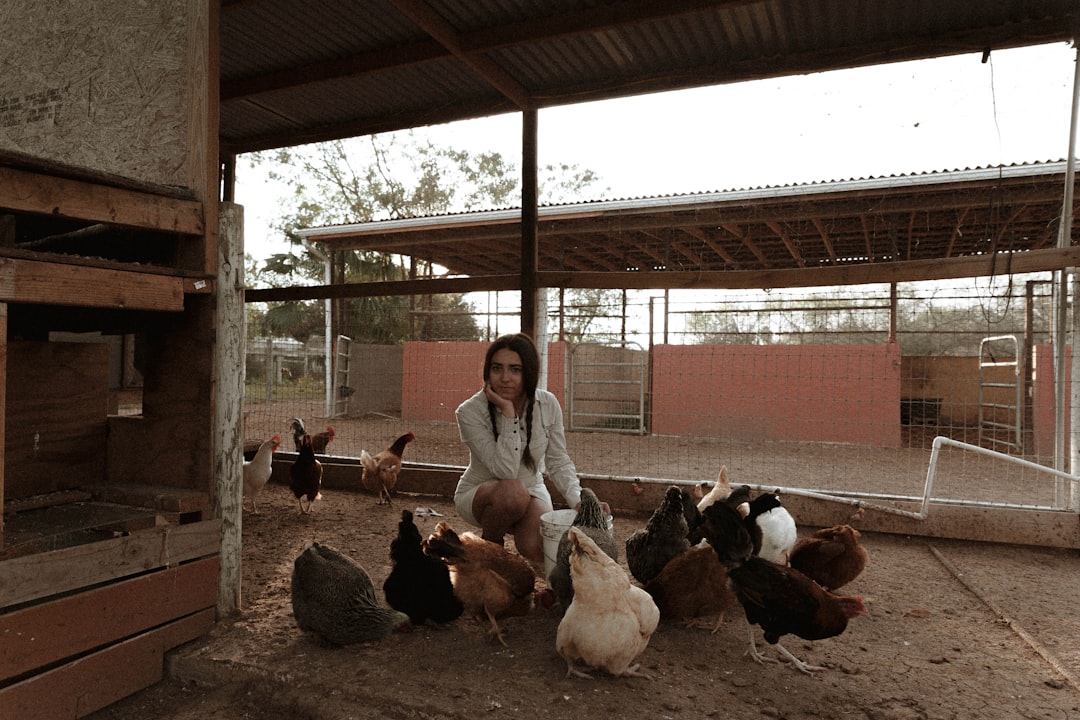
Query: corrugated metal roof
{"points": [[297, 71], [925, 216]]}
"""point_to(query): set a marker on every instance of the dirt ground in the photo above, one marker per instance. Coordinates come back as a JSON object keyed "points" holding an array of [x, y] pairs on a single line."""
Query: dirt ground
{"points": [[956, 630]]}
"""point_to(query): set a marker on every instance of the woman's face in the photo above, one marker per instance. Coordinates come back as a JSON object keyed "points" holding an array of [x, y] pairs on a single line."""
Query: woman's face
{"points": [[505, 375]]}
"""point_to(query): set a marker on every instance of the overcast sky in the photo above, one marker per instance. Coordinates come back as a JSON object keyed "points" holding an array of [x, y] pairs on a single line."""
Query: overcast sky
{"points": [[901, 118]]}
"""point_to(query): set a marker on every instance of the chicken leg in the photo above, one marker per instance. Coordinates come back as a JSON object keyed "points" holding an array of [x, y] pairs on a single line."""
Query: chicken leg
{"points": [[798, 664]]}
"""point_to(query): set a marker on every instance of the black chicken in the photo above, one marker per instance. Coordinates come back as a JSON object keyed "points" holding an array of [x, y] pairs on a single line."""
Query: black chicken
{"points": [[780, 599], [298, 432], [305, 476], [591, 520], [419, 584], [649, 549]]}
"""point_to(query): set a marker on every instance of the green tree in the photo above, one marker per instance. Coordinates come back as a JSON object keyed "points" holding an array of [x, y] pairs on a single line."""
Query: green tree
{"points": [[385, 177]]}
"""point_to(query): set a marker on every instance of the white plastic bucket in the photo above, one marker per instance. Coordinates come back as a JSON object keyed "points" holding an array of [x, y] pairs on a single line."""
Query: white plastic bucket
{"points": [[552, 527]]}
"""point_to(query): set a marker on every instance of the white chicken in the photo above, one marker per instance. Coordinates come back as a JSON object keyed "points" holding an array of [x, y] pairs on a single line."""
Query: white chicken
{"points": [[771, 527], [610, 621], [258, 469], [720, 491]]}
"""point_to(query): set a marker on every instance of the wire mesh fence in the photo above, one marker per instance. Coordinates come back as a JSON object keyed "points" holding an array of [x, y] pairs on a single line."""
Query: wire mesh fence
{"points": [[824, 388]]}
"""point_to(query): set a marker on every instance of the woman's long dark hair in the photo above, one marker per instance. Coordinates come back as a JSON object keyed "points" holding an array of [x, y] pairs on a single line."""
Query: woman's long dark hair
{"points": [[524, 346]]}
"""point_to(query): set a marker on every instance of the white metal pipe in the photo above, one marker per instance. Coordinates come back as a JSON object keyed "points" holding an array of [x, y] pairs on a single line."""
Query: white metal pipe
{"points": [[1064, 493], [328, 347]]}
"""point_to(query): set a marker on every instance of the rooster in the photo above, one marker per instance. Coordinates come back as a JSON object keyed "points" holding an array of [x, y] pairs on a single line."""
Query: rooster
{"points": [[610, 621], [591, 520], [381, 470], [650, 548], [257, 470], [298, 432], [305, 476], [780, 599], [490, 581], [419, 584], [332, 595], [831, 557], [319, 441]]}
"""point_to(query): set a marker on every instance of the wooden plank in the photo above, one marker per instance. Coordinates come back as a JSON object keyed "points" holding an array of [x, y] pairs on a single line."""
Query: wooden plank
{"points": [[88, 684], [45, 634], [26, 191], [38, 576], [31, 281]]}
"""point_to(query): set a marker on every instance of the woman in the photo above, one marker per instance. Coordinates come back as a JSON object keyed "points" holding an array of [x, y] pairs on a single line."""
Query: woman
{"points": [[514, 431]]}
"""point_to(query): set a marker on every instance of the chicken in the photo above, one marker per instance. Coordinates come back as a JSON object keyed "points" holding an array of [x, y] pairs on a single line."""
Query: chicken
{"points": [[610, 621], [305, 476], [490, 581], [380, 472], [298, 432], [419, 584], [780, 599], [693, 585], [332, 595], [319, 441], [831, 557], [692, 515], [258, 469], [591, 520], [650, 548], [719, 491], [771, 528]]}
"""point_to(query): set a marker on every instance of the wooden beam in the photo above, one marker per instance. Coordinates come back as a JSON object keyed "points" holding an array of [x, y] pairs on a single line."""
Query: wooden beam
{"points": [[54, 283], [715, 246], [90, 683], [437, 26], [786, 237], [26, 191], [855, 274], [825, 239], [483, 283], [44, 574], [75, 624]]}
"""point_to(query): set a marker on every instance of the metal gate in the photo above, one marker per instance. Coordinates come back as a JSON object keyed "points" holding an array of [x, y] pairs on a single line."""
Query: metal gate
{"points": [[1001, 408], [342, 389], [606, 388]]}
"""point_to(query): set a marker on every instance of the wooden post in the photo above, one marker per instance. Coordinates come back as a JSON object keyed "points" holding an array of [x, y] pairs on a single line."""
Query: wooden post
{"points": [[228, 403], [3, 408], [529, 214]]}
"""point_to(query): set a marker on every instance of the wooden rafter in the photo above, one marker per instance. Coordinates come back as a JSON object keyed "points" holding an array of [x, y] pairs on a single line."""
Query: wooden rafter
{"points": [[713, 245], [788, 242], [744, 237], [825, 239]]}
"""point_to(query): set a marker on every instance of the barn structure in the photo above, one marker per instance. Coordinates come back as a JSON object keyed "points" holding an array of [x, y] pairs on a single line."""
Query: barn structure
{"points": [[122, 252]]}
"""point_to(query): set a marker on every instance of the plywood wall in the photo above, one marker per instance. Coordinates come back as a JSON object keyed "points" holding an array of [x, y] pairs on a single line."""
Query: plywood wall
{"points": [[100, 85]]}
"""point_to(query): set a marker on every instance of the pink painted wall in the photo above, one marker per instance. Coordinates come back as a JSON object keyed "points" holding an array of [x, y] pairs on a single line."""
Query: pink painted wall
{"points": [[1043, 400], [437, 377], [818, 393]]}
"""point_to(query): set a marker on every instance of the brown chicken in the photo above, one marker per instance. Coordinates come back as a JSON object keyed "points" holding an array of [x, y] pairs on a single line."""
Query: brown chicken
{"points": [[305, 476], [490, 581], [691, 586], [380, 471], [831, 557], [319, 441], [778, 598]]}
